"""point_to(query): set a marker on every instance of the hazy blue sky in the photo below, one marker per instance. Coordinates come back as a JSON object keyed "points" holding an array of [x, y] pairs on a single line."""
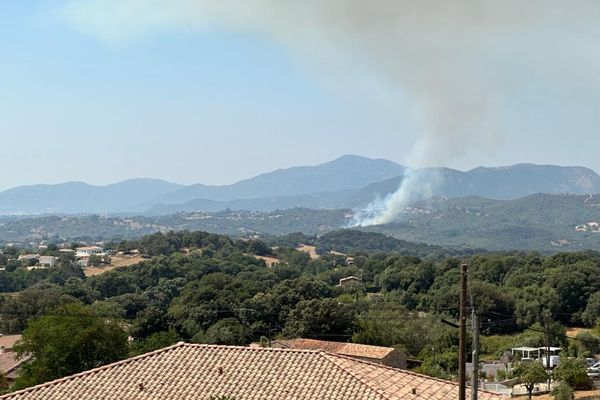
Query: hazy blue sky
{"points": [[88, 92]]}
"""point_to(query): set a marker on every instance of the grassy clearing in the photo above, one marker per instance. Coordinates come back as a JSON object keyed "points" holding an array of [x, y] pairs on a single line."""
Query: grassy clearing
{"points": [[116, 262]]}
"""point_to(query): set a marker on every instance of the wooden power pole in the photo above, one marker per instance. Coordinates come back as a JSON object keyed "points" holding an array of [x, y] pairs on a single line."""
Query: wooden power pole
{"points": [[462, 338], [475, 377], [547, 343]]}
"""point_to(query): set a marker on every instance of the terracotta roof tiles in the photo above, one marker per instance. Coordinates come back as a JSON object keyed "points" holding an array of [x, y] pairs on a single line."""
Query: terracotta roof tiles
{"points": [[9, 361], [8, 341], [348, 349], [193, 371]]}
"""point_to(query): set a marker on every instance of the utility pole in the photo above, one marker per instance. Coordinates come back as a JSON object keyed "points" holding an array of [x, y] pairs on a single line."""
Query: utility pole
{"points": [[475, 377], [547, 343], [270, 343], [462, 325]]}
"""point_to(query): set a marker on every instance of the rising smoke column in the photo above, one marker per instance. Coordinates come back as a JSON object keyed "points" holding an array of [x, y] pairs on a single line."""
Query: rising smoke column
{"points": [[458, 62], [416, 185]]}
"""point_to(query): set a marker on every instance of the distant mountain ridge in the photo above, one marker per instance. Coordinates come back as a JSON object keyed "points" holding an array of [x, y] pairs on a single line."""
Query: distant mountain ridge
{"points": [[501, 183], [79, 197], [346, 172], [347, 182], [138, 195]]}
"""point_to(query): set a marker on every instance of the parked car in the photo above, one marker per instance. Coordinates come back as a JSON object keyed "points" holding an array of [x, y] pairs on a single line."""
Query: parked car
{"points": [[594, 370], [590, 361]]}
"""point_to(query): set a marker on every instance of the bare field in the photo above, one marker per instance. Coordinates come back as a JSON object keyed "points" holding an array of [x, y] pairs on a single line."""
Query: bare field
{"points": [[572, 332], [116, 262], [311, 250], [268, 260], [581, 395]]}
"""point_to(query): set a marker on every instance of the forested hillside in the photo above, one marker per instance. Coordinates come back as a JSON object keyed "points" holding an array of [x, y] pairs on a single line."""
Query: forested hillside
{"points": [[546, 223], [207, 288], [234, 223], [353, 241]]}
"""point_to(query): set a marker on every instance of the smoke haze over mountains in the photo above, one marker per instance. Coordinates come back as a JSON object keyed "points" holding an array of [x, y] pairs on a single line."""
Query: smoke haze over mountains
{"points": [[457, 64]]}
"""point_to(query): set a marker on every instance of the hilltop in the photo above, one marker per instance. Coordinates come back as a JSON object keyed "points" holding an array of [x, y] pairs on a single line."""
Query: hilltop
{"points": [[347, 182]]}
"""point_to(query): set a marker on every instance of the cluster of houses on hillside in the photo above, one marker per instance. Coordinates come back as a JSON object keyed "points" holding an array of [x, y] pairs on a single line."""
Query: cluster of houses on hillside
{"points": [[81, 254], [40, 261], [588, 227]]}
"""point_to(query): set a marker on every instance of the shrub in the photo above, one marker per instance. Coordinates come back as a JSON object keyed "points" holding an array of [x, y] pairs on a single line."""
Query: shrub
{"points": [[563, 392]]}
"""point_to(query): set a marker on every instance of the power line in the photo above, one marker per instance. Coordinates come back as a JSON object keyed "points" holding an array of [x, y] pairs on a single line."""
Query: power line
{"points": [[596, 342]]}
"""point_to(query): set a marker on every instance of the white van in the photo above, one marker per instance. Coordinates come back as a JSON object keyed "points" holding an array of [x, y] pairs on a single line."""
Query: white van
{"points": [[554, 361]]}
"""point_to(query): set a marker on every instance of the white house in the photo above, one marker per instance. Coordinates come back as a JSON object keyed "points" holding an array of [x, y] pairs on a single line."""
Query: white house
{"points": [[350, 280], [48, 261], [88, 251]]}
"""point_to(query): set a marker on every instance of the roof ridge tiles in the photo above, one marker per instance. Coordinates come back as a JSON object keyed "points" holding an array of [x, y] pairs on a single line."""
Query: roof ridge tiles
{"points": [[227, 346], [340, 344], [405, 371]]}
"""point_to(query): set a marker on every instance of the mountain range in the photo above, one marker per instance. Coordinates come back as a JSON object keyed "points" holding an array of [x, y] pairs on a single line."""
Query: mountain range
{"points": [[347, 182]]}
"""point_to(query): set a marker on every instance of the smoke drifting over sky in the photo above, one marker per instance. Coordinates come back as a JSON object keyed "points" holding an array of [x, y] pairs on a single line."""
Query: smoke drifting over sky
{"points": [[457, 63]]}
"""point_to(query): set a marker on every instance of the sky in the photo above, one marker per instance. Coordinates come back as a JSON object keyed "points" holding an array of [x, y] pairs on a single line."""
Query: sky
{"points": [[200, 91]]}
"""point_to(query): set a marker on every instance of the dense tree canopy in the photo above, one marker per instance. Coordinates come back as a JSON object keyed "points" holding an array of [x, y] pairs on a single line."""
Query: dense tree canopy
{"points": [[207, 288], [71, 340]]}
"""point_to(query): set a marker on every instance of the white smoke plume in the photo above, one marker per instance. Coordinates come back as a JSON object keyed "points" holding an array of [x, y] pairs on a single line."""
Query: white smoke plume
{"points": [[416, 185], [458, 62]]}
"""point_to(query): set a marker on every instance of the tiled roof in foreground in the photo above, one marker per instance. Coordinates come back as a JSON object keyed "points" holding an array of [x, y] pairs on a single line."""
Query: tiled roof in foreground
{"points": [[346, 349], [193, 371]]}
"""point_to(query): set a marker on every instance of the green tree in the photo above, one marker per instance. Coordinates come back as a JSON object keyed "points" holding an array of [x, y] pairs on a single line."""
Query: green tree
{"points": [[592, 310], [37, 300], [529, 374], [226, 331], [401, 329], [573, 371], [155, 341], [563, 392], [66, 258], [70, 340], [12, 265], [94, 261], [574, 285], [320, 319], [534, 301], [4, 384], [535, 337], [588, 343]]}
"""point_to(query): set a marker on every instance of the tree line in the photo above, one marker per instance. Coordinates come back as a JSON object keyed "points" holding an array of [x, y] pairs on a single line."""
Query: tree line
{"points": [[207, 288]]}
